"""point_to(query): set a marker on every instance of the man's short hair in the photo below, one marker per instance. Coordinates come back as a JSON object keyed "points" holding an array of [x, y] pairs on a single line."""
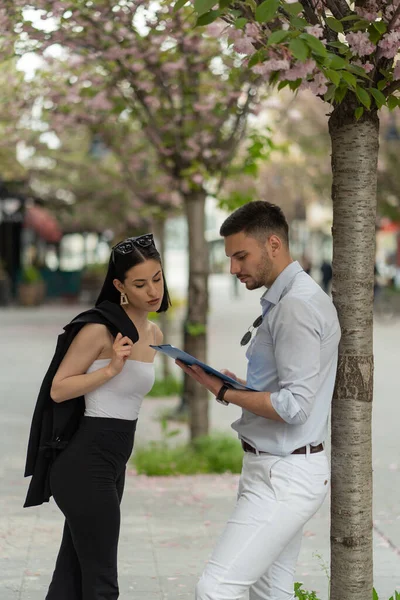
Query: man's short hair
{"points": [[258, 219]]}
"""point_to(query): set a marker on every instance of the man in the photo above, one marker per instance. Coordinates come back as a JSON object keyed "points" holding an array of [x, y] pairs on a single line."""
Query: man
{"points": [[292, 361]]}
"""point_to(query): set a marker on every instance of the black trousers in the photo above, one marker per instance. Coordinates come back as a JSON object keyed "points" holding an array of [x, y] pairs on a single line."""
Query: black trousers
{"points": [[87, 481]]}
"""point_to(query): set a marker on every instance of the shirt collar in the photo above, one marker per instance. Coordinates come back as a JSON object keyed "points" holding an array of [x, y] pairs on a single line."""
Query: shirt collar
{"points": [[280, 285]]}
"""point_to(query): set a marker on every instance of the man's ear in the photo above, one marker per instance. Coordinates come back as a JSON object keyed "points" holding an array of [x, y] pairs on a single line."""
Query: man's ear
{"points": [[275, 244]]}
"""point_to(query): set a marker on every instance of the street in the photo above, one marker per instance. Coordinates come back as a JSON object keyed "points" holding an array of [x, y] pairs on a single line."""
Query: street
{"points": [[169, 525]]}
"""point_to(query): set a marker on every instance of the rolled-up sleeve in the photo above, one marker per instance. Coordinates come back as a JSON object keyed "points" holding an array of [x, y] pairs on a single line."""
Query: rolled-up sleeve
{"points": [[296, 331]]}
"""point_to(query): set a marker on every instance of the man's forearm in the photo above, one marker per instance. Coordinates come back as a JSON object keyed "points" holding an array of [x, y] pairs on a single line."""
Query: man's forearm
{"points": [[258, 403]]}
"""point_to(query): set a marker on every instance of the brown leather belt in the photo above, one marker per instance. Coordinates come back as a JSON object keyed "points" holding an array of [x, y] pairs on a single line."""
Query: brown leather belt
{"points": [[303, 450]]}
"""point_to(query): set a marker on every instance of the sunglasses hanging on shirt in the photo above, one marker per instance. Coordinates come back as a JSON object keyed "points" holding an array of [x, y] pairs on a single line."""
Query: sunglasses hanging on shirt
{"points": [[247, 336]]}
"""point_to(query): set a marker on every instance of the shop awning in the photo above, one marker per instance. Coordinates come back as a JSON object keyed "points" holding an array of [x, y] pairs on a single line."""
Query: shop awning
{"points": [[43, 223]]}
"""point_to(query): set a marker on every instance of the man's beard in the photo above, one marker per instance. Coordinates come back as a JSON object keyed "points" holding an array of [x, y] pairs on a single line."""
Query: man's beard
{"points": [[263, 274]]}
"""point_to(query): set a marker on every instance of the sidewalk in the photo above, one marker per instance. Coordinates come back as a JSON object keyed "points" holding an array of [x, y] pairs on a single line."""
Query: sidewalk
{"points": [[169, 525]]}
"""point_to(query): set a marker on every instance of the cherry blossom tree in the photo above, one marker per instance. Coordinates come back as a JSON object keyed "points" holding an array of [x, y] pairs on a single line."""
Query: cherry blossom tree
{"points": [[345, 53], [188, 91]]}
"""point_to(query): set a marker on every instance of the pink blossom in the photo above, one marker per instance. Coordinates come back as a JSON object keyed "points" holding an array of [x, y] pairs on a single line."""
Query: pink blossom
{"points": [[244, 46], [274, 64], [100, 102], [198, 178], [215, 29], [300, 70], [252, 31], [360, 43], [367, 66], [153, 102], [173, 67], [318, 85], [389, 44], [369, 11], [316, 30], [396, 72]]}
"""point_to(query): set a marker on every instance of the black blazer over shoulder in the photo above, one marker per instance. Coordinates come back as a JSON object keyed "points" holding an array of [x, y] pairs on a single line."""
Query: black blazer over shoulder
{"points": [[54, 424]]}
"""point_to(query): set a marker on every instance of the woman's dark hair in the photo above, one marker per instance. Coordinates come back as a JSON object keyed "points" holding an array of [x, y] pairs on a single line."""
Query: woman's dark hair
{"points": [[124, 256], [258, 219]]}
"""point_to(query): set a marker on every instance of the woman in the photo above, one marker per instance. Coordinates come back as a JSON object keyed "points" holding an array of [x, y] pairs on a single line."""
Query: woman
{"points": [[113, 374]]}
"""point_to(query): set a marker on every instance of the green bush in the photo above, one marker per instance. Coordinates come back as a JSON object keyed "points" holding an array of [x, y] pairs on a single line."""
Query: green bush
{"points": [[211, 454], [166, 387], [305, 595], [30, 274]]}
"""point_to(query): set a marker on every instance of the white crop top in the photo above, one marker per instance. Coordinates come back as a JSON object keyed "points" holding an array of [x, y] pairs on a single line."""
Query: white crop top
{"points": [[121, 396]]}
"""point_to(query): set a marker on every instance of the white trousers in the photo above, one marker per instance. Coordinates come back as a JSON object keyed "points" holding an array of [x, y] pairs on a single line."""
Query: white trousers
{"points": [[259, 547]]}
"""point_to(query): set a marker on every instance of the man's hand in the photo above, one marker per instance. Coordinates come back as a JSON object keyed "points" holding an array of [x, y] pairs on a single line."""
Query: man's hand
{"points": [[233, 376], [213, 384]]}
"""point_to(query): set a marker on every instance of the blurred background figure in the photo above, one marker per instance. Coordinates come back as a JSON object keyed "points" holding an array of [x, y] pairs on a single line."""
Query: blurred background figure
{"points": [[306, 264], [326, 276]]}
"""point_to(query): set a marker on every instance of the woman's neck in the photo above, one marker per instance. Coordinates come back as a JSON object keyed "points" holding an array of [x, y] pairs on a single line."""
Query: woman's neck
{"points": [[138, 317]]}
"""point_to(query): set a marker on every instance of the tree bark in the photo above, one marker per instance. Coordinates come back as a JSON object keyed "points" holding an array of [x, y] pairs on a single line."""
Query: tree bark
{"points": [[195, 329], [354, 166]]}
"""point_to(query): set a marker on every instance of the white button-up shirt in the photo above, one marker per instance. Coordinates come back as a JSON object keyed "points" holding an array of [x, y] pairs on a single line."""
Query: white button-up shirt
{"points": [[294, 356]]}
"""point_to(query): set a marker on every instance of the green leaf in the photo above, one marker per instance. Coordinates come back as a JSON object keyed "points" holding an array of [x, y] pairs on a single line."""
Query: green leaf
{"points": [[334, 24], [363, 97], [179, 4], [298, 22], [257, 57], [379, 98], [282, 84], [294, 84], [277, 37], [224, 4], [350, 18], [293, 9], [381, 84], [380, 26], [299, 49], [208, 18], [349, 78], [374, 594], [336, 62], [240, 23], [266, 11], [339, 45], [328, 96], [385, 73], [334, 76], [316, 45], [340, 93], [392, 102], [361, 24], [374, 34], [358, 113], [357, 70], [252, 4], [203, 6]]}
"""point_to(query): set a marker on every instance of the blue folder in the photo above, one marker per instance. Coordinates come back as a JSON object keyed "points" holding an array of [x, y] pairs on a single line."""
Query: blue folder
{"points": [[188, 359]]}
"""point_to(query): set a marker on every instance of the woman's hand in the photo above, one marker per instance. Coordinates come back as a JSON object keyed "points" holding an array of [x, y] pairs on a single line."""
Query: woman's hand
{"points": [[121, 351]]}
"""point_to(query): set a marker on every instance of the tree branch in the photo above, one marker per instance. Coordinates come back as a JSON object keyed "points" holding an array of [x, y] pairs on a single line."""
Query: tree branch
{"points": [[339, 8]]}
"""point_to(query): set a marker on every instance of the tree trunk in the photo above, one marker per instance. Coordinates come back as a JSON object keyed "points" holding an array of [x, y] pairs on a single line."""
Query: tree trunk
{"points": [[159, 230], [354, 166], [195, 328]]}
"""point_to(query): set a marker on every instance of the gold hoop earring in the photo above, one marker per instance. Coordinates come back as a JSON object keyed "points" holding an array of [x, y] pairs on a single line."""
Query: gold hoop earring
{"points": [[124, 299]]}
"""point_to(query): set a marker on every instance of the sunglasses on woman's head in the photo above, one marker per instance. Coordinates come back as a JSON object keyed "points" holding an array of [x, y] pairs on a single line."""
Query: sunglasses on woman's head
{"points": [[247, 336], [127, 246]]}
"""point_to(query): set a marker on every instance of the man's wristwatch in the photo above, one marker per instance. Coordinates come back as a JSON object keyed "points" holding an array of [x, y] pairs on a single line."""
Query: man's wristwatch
{"points": [[220, 396]]}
